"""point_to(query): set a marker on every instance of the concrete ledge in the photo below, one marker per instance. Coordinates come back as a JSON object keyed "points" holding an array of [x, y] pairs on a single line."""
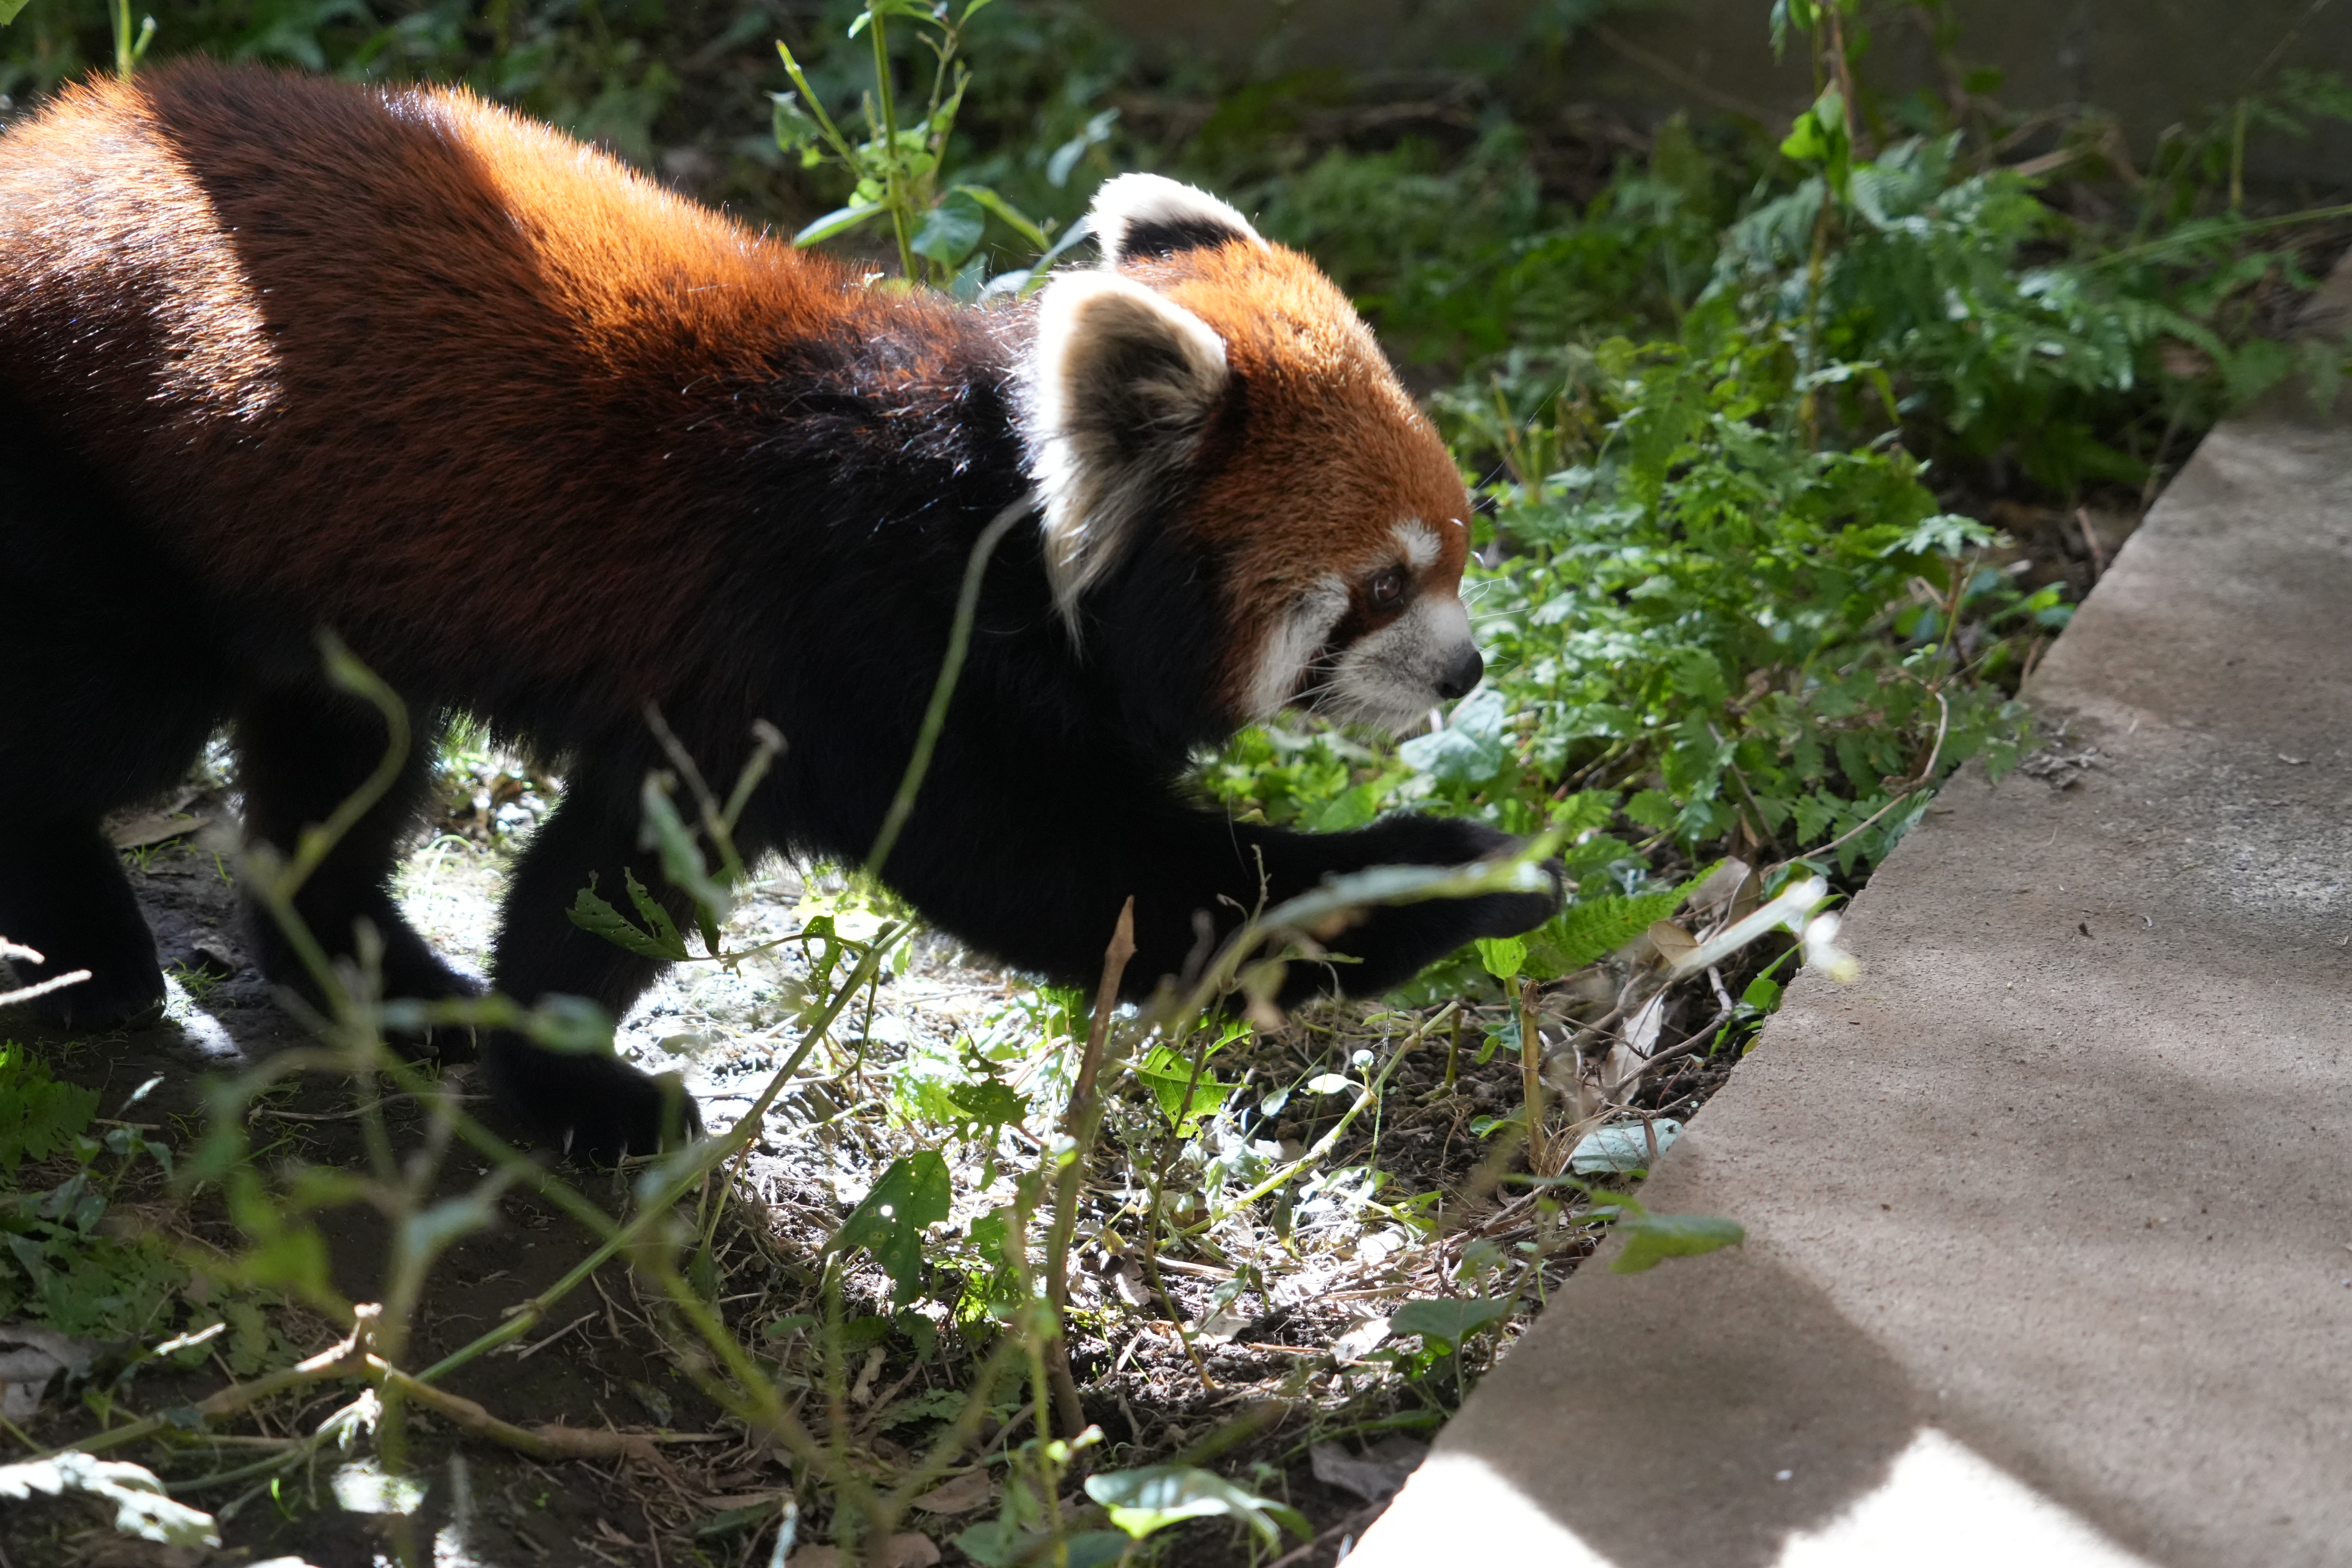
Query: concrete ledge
{"points": [[2050, 1215]]}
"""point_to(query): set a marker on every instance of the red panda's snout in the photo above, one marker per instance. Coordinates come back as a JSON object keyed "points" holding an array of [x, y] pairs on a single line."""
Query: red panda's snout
{"points": [[1405, 644], [1205, 381]]}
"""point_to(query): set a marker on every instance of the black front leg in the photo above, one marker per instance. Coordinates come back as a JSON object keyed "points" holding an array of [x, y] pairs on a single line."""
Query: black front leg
{"points": [[1390, 944], [597, 1106], [1040, 886]]}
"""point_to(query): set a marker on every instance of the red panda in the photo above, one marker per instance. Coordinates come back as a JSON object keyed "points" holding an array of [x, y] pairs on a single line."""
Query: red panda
{"points": [[544, 443]]}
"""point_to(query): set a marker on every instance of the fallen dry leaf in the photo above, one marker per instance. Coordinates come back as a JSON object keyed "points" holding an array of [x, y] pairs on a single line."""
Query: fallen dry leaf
{"points": [[153, 828], [907, 1550], [961, 1495], [861, 1392], [1671, 941], [29, 1357], [1127, 1280], [1375, 1477]]}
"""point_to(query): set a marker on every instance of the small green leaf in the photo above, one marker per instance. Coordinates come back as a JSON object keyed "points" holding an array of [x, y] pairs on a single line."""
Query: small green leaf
{"points": [[1652, 1239], [1166, 1074], [998, 1543], [1014, 218], [1449, 1318], [1471, 749], [912, 1195], [795, 131], [1351, 807], [1095, 1549], [877, 9], [938, 1404], [657, 918], [38, 1116], [989, 1103], [952, 230], [1653, 808], [1502, 955], [1598, 927], [839, 221], [681, 856], [1143, 1501], [1065, 157], [592, 913]]}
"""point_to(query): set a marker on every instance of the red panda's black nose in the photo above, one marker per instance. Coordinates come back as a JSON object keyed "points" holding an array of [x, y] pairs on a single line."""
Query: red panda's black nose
{"points": [[1462, 675]]}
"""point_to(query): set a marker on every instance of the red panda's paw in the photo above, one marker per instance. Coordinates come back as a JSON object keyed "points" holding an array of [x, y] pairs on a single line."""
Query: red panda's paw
{"points": [[1388, 946], [593, 1109], [96, 1007]]}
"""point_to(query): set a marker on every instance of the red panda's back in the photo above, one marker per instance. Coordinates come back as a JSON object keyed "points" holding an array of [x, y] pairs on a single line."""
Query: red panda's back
{"points": [[305, 326]]}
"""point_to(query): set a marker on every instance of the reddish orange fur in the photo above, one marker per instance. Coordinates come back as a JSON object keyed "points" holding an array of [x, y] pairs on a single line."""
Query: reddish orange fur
{"points": [[1334, 453], [589, 297]]}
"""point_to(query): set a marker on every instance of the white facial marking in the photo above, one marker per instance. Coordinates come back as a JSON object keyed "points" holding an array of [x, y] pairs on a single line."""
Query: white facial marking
{"points": [[1390, 678], [1296, 638], [1119, 384], [1419, 541]]}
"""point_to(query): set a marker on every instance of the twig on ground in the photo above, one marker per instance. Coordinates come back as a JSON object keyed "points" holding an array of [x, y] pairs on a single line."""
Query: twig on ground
{"points": [[1296, 1554]]}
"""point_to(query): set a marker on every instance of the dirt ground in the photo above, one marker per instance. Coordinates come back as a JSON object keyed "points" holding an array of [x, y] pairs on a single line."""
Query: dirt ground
{"points": [[607, 1359]]}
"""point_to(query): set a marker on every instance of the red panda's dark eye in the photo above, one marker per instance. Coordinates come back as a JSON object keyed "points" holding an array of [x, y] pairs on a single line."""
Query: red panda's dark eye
{"points": [[1388, 588]]}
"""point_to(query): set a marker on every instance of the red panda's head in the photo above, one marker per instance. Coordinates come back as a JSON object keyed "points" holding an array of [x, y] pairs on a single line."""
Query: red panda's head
{"points": [[1207, 382]]}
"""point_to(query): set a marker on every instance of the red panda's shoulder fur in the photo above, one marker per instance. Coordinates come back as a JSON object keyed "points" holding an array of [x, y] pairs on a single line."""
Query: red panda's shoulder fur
{"points": [[447, 339]]}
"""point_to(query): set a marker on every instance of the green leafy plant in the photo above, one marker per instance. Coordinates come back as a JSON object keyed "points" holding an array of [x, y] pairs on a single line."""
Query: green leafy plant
{"points": [[1450, 1320], [38, 1115], [889, 1222], [1144, 1502], [62, 1264], [898, 169], [1652, 1239]]}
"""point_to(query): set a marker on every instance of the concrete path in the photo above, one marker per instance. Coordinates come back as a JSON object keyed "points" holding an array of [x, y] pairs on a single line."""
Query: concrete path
{"points": [[2050, 1215]]}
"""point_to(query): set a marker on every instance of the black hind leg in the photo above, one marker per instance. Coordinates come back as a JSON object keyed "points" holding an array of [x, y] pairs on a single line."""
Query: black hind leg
{"points": [[300, 754], [112, 684], [64, 895]]}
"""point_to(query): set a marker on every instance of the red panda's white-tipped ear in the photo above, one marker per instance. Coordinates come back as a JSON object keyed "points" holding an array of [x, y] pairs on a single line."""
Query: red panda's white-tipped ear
{"points": [[1122, 384], [1138, 218]]}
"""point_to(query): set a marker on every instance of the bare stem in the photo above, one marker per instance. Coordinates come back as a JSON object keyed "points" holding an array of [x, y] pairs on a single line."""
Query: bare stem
{"points": [[1081, 1123], [935, 717]]}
